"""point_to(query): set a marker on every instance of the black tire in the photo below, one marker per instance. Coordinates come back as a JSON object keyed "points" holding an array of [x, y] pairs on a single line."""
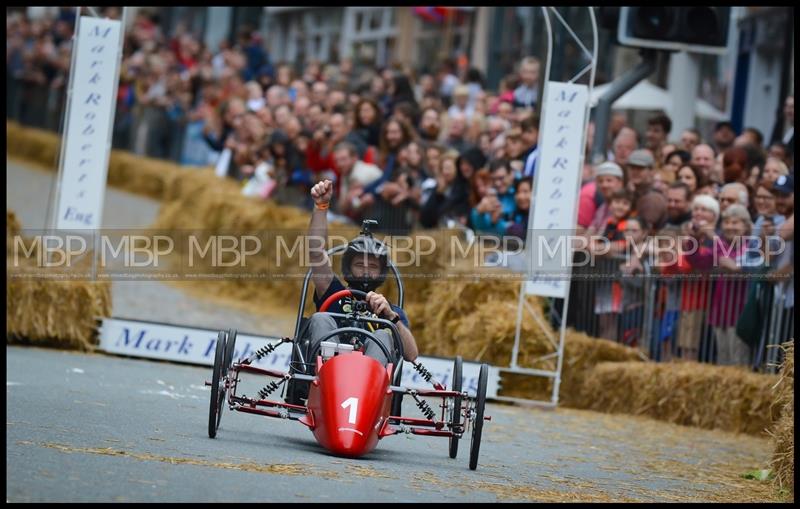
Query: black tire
{"points": [[455, 422], [230, 345], [217, 395], [477, 425]]}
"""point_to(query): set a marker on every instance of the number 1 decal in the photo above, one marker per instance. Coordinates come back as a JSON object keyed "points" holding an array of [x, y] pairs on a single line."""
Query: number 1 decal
{"points": [[353, 404]]}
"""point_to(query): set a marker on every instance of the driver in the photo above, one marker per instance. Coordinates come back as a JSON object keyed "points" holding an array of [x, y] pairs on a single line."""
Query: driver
{"points": [[364, 267]]}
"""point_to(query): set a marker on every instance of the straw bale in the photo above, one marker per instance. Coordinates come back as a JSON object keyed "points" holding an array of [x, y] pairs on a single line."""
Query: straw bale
{"points": [[722, 397], [54, 312], [12, 224], [37, 145], [782, 462]]}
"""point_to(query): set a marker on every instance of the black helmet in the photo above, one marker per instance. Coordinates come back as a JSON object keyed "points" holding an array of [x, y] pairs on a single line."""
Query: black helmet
{"points": [[364, 245]]}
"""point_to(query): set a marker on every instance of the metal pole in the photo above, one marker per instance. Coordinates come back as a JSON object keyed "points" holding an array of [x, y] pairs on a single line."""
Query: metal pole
{"points": [[515, 350], [560, 362], [603, 109]]}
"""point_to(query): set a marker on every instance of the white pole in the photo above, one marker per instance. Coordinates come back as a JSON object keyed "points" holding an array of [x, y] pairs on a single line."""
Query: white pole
{"points": [[51, 206]]}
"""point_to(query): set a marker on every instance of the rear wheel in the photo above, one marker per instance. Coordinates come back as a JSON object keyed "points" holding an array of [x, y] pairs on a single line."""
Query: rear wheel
{"points": [[477, 424], [217, 394], [455, 420]]}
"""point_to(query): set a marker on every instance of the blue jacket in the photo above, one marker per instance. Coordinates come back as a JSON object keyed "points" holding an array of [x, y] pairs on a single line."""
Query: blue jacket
{"points": [[482, 222]]}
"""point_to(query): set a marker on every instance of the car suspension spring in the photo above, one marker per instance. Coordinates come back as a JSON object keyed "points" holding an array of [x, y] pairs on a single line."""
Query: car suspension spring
{"points": [[266, 350], [268, 389], [426, 375], [423, 371], [424, 407]]}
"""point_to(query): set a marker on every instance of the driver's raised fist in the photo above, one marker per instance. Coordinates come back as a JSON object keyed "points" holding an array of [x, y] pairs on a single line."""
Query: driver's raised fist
{"points": [[322, 192]]}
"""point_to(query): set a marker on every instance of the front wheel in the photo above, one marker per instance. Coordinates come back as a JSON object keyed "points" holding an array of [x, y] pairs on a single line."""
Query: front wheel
{"points": [[455, 420], [477, 424], [217, 394]]}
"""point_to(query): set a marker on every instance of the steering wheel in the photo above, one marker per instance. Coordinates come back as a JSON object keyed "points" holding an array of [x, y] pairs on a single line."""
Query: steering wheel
{"points": [[360, 295], [347, 292]]}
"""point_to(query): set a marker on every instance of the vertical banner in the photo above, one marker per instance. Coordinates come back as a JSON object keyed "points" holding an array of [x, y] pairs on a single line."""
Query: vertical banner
{"points": [[553, 215], [90, 118]]}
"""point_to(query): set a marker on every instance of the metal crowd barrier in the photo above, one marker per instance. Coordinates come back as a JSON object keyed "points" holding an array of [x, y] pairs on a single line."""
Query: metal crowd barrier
{"points": [[690, 317]]}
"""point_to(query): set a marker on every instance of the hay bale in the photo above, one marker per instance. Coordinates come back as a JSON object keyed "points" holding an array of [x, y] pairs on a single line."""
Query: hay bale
{"points": [[782, 462], [714, 397], [48, 311], [55, 313], [13, 226]]}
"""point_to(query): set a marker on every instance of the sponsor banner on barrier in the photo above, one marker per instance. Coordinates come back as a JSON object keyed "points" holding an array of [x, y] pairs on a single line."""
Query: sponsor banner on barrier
{"points": [[194, 345]]}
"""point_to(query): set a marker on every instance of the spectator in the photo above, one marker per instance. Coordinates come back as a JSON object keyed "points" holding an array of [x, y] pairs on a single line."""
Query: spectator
{"points": [[662, 180], [734, 165], [724, 135], [449, 81], [448, 204], [518, 225], [430, 125], [355, 176], [456, 133], [675, 160], [779, 151], [767, 217], [678, 212], [608, 179], [494, 213], [703, 159], [470, 161], [783, 189], [530, 137], [693, 177], [626, 142], [658, 128], [515, 149], [649, 203], [608, 294], [695, 293], [403, 93], [773, 169], [734, 193], [631, 283], [784, 132], [526, 94], [750, 136], [367, 122], [728, 297], [690, 138], [461, 104]]}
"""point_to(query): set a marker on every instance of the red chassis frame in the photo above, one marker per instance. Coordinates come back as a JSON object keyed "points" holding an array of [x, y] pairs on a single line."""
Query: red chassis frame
{"points": [[468, 409]]}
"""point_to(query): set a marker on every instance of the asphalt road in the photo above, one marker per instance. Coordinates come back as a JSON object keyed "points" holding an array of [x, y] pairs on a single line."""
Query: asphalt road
{"points": [[94, 428]]}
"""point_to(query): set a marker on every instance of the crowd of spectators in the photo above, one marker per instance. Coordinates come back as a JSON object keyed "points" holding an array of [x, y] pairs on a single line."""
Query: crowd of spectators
{"points": [[441, 150]]}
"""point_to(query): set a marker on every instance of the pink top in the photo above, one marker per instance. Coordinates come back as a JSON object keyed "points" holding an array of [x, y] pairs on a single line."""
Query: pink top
{"points": [[586, 204]]}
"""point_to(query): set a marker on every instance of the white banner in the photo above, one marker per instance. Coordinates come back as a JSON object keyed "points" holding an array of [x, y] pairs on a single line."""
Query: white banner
{"points": [[553, 215], [87, 132], [197, 346]]}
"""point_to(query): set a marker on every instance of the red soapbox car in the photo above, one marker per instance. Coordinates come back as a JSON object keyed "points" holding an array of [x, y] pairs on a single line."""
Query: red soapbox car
{"points": [[352, 401]]}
